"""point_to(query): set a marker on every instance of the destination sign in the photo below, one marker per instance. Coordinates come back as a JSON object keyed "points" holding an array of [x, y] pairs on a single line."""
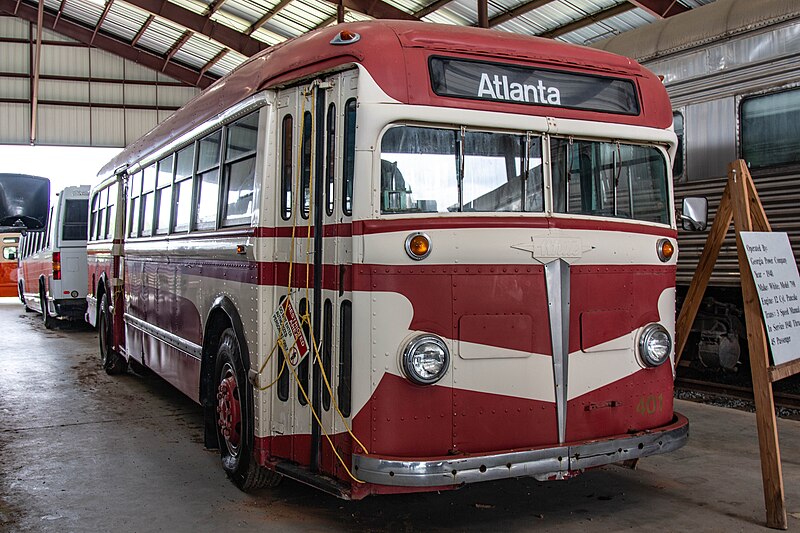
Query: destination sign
{"points": [[497, 82]]}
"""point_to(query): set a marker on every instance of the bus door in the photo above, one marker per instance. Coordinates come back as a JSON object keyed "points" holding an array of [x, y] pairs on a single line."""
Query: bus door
{"points": [[313, 243]]}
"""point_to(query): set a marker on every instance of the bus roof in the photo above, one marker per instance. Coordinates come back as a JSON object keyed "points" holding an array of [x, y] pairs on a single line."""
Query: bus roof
{"points": [[396, 53]]}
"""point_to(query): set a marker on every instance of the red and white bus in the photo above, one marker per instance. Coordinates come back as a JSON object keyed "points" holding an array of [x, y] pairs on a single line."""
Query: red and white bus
{"points": [[391, 257]]}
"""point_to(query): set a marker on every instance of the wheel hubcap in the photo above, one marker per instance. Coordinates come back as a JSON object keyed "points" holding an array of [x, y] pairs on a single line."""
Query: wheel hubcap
{"points": [[229, 410]]}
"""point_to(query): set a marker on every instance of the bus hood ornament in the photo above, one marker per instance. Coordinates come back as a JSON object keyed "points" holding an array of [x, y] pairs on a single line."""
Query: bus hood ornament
{"points": [[547, 249]]}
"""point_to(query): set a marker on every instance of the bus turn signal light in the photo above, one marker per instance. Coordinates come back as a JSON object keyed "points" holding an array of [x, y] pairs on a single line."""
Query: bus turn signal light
{"points": [[56, 265], [665, 249], [418, 246]]}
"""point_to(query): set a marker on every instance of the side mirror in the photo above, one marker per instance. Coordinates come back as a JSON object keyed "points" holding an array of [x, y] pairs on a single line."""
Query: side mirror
{"points": [[694, 215]]}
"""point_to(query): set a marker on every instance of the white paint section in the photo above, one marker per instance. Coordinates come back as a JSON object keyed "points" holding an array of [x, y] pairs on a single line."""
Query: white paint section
{"points": [[517, 246], [592, 371]]}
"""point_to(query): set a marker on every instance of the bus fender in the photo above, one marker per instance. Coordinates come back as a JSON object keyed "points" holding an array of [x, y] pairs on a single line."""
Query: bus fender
{"points": [[223, 314]]}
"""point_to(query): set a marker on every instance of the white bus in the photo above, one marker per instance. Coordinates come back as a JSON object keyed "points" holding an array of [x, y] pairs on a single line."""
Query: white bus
{"points": [[52, 262]]}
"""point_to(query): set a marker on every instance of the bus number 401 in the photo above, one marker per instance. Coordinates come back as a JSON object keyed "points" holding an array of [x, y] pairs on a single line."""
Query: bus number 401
{"points": [[650, 404]]}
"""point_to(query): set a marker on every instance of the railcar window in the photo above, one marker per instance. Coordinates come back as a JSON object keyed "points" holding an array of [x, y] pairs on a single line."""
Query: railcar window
{"points": [[75, 215], [330, 154], [771, 129], [208, 181], [429, 170], [164, 194], [349, 159], [134, 190], [305, 165], [286, 168], [148, 200], [677, 166], [240, 166], [610, 180], [184, 168]]}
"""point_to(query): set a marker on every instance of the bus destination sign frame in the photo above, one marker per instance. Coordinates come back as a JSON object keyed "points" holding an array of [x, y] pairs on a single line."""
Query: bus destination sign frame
{"points": [[500, 82]]}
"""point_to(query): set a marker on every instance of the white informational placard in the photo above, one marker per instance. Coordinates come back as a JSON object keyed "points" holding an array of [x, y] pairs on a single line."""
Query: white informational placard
{"points": [[778, 284]]}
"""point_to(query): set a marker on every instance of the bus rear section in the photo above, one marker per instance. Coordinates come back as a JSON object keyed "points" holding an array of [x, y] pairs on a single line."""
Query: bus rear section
{"points": [[53, 270]]}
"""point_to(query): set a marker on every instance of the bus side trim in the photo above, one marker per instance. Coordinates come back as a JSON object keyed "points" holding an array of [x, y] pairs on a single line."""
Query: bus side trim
{"points": [[173, 340]]}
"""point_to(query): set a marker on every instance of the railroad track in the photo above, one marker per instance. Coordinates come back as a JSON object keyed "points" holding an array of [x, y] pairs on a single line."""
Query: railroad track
{"points": [[782, 399]]}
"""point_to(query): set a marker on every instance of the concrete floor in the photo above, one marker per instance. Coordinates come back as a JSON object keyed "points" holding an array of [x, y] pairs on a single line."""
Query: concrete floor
{"points": [[83, 451]]}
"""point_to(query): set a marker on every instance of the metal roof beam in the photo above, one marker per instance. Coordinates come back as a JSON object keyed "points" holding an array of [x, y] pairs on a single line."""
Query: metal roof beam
{"points": [[244, 44], [268, 15], [517, 11], [60, 11], [177, 46], [143, 29], [102, 18], [213, 61], [660, 8], [214, 6], [111, 44], [375, 9], [587, 21], [425, 11]]}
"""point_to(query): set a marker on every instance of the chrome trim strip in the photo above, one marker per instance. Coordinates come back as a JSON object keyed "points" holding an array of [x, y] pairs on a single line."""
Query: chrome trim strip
{"points": [[557, 281], [543, 464], [173, 340]]}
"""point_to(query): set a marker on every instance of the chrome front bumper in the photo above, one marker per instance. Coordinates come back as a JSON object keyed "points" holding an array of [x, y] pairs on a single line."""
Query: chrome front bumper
{"points": [[540, 463]]}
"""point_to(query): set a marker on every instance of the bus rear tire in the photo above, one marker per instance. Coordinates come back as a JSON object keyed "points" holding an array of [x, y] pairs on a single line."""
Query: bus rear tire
{"points": [[47, 318], [233, 403], [113, 363]]}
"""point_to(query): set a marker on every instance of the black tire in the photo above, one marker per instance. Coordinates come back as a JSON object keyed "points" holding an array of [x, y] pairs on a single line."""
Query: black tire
{"points": [[233, 398], [47, 318], [112, 361]]}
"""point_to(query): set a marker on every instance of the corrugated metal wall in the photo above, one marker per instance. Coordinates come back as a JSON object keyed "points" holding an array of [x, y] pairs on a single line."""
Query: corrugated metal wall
{"points": [[87, 97]]}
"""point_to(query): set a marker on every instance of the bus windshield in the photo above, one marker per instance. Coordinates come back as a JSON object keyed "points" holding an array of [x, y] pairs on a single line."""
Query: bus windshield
{"points": [[429, 170], [610, 180]]}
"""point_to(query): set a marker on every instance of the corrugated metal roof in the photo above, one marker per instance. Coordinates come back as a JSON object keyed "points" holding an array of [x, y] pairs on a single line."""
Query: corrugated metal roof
{"points": [[274, 21]]}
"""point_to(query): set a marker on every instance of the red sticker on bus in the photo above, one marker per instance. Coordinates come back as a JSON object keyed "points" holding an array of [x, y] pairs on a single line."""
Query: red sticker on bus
{"points": [[290, 332]]}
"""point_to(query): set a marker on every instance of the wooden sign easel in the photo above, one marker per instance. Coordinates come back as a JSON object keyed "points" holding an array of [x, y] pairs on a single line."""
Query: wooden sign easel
{"points": [[740, 203]]}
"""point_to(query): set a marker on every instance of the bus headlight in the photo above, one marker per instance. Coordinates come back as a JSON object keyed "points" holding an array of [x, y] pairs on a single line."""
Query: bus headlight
{"points": [[655, 344], [425, 359]]}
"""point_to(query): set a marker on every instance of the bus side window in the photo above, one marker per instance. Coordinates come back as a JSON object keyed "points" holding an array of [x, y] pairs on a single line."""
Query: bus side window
{"points": [[344, 395], [110, 218], [184, 169], [208, 181], [148, 200], [93, 218], [163, 198], [241, 142], [305, 166], [134, 190], [286, 168], [349, 159], [330, 162], [102, 214]]}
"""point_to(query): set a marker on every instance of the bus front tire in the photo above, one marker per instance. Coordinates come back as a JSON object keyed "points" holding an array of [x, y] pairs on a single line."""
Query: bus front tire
{"points": [[234, 418], [112, 361]]}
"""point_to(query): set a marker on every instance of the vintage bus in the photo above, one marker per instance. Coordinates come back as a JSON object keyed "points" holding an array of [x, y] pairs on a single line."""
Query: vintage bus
{"points": [[52, 263], [9, 243], [391, 257]]}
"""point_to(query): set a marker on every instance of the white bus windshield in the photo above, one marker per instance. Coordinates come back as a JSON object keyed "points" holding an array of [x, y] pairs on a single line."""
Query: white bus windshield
{"points": [[444, 170]]}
